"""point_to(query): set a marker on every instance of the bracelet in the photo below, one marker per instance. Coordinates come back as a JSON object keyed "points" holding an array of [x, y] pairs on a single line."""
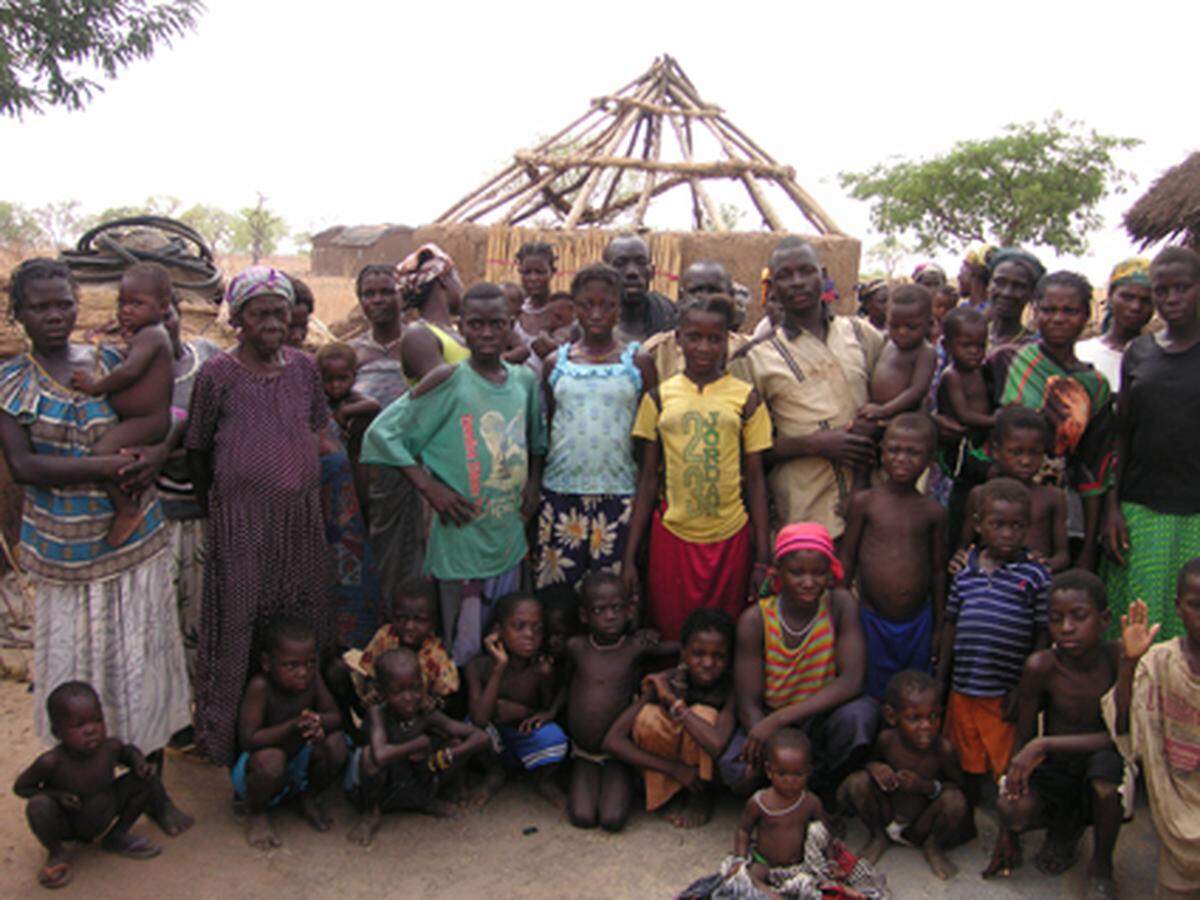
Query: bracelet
{"points": [[937, 790]]}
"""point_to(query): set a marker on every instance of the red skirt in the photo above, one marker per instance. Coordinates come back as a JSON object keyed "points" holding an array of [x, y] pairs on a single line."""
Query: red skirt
{"points": [[684, 577]]}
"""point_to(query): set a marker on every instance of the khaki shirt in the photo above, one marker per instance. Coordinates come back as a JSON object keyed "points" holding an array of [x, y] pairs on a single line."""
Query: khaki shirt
{"points": [[834, 376], [668, 357]]}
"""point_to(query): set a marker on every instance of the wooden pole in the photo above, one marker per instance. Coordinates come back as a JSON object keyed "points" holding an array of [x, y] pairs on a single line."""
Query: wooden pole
{"points": [[651, 152], [697, 190]]}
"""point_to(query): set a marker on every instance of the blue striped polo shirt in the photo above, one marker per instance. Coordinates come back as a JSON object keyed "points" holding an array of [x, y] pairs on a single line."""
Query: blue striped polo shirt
{"points": [[996, 618]]}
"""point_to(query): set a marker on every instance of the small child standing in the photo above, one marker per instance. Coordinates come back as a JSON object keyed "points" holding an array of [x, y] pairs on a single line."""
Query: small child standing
{"points": [[139, 387], [288, 732], [895, 542], [1153, 713], [682, 723], [995, 617], [709, 430], [1070, 775], [911, 792], [71, 790]]}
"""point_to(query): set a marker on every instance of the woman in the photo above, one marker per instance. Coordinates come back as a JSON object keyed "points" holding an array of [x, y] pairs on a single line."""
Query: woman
{"points": [[430, 284], [1153, 517], [1130, 307], [1014, 273], [973, 277], [104, 615]]}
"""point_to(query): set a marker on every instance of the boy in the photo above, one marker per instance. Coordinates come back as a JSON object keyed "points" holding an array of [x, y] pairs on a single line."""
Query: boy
{"points": [[962, 392], [71, 789], [471, 438], [410, 749], [1153, 713], [514, 695], [1071, 774], [911, 793], [901, 378], [995, 617], [352, 411], [895, 542], [1019, 449], [604, 671], [288, 732]]}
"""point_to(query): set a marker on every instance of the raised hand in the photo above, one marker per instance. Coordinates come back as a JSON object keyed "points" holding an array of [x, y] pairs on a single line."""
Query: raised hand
{"points": [[1137, 634]]}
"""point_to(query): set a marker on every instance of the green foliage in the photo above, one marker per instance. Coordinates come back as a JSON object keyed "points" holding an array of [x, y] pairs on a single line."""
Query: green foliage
{"points": [[258, 231], [215, 224], [49, 48], [888, 253], [18, 226], [1037, 183], [60, 222]]}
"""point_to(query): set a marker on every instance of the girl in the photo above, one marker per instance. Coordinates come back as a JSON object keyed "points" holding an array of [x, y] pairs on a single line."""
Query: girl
{"points": [[430, 284], [538, 319], [592, 391], [253, 428], [1129, 310], [710, 430], [679, 728]]}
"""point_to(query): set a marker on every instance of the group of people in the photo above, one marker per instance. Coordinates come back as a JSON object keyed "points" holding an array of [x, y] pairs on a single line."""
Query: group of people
{"points": [[609, 540]]}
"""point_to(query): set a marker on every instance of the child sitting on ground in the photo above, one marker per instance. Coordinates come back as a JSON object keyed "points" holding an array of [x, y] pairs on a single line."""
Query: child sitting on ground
{"points": [[895, 542], [911, 792], [140, 386], [679, 728], [1153, 713], [288, 732], [410, 749], [513, 694], [1018, 446], [1070, 775], [995, 617], [72, 793], [604, 670]]}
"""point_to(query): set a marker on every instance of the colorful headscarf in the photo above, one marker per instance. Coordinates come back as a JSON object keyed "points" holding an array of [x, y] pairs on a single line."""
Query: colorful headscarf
{"points": [[808, 536], [427, 263], [928, 267], [978, 255], [1130, 271], [257, 281], [1019, 256]]}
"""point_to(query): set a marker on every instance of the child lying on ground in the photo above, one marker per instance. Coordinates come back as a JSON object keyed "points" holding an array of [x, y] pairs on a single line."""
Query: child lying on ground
{"points": [[72, 793], [288, 732], [682, 723], [911, 793], [139, 388], [410, 749]]}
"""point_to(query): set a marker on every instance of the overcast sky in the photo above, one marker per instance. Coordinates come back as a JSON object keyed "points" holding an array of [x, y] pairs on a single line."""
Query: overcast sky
{"points": [[359, 112]]}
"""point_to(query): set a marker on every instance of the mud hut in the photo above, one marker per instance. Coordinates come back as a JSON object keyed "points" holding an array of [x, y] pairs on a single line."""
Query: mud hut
{"points": [[1170, 209], [341, 251]]}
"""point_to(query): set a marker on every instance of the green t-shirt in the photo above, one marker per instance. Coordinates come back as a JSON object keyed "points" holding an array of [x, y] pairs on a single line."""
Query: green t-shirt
{"points": [[476, 436]]}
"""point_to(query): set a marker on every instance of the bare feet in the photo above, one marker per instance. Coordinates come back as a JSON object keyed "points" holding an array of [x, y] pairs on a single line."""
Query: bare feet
{"points": [[129, 846], [1100, 884], [259, 833], [875, 847], [55, 873], [441, 809], [364, 832], [547, 786], [314, 812], [1056, 856], [492, 782], [942, 867], [690, 810], [1006, 855], [172, 820]]}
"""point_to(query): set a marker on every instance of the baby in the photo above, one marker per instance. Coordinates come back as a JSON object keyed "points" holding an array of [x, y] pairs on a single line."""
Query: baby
{"points": [[71, 789], [140, 386], [963, 394], [352, 411], [902, 376]]}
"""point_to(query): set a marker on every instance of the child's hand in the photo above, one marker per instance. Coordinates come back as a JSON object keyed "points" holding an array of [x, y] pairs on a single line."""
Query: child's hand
{"points": [[534, 722], [544, 665], [1016, 782], [871, 412], [69, 802], [630, 582], [884, 776], [1136, 632], [647, 637], [339, 416], [657, 686], [689, 777], [958, 562], [421, 748], [756, 742], [83, 382], [912, 782], [453, 507], [495, 649]]}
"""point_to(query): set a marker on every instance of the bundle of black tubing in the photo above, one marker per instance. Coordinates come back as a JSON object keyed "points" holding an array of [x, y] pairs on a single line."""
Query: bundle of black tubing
{"points": [[99, 257]]}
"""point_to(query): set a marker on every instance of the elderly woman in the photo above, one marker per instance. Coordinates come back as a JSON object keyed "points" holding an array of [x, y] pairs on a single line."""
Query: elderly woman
{"points": [[429, 283], [104, 615], [256, 415], [1014, 273], [1129, 310]]}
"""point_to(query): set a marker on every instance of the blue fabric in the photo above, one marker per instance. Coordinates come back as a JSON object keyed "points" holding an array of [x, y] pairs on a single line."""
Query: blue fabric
{"points": [[543, 747], [295, 782], [895, 646], [995, 619]]}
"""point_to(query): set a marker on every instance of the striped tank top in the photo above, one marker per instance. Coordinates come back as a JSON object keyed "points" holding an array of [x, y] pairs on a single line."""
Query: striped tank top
{"points": [[792, 674]]}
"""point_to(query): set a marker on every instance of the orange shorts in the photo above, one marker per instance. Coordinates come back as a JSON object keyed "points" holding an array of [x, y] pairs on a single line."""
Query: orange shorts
{"points": [[976, 728]]}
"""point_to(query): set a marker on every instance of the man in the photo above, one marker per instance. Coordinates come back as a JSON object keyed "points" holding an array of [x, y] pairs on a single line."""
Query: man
{"points": [[813, 373], [643, 312]]}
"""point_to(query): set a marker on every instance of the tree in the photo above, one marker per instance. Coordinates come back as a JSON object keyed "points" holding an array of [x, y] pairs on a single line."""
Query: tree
{"points": [[49, 48], [60, 222], [214, 224], [889, 253], [1035, 183], [258, 231], [18, 226]]}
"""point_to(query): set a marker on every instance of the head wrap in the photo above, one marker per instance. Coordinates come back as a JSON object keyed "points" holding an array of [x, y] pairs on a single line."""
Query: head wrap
{"points": [[979, 254], [426, 264], [1016, 255], [1130, 271], [257, 281], [928, 267], [808, 536]]}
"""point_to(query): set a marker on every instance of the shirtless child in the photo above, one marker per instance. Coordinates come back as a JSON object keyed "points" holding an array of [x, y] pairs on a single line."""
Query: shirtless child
{"points": [[604, 676], [140, 386], [911, 792], [1069, 777], [72, 793], [895, 542], [410, 749], [288, 732]]}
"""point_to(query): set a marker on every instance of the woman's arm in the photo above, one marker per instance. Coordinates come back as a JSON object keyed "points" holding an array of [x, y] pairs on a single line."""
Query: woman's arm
{"points": [[44, 470], [420, 352]]}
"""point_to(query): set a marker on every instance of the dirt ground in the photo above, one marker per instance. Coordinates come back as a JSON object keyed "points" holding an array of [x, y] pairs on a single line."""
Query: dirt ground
{"points": [[517, 847]]}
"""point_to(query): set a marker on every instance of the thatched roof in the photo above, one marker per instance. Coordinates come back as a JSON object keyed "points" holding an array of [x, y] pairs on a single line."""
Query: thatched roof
{"points": [[1171, 208], [628, 149]]}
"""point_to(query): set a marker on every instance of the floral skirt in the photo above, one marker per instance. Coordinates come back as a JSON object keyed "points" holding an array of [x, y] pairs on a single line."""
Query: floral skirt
{"points": [[580, 533]]}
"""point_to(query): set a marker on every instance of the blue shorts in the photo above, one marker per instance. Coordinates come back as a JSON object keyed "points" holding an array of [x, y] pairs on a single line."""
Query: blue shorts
{"points": [[543, 747], [895, 646], [295, 780]]}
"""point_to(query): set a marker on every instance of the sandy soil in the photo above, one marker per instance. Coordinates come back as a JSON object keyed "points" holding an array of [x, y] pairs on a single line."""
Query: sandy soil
{"points": [[517, 847]]}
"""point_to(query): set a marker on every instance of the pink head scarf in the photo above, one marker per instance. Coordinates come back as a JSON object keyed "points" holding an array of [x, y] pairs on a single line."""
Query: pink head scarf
{"points": [[808, 536]]}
